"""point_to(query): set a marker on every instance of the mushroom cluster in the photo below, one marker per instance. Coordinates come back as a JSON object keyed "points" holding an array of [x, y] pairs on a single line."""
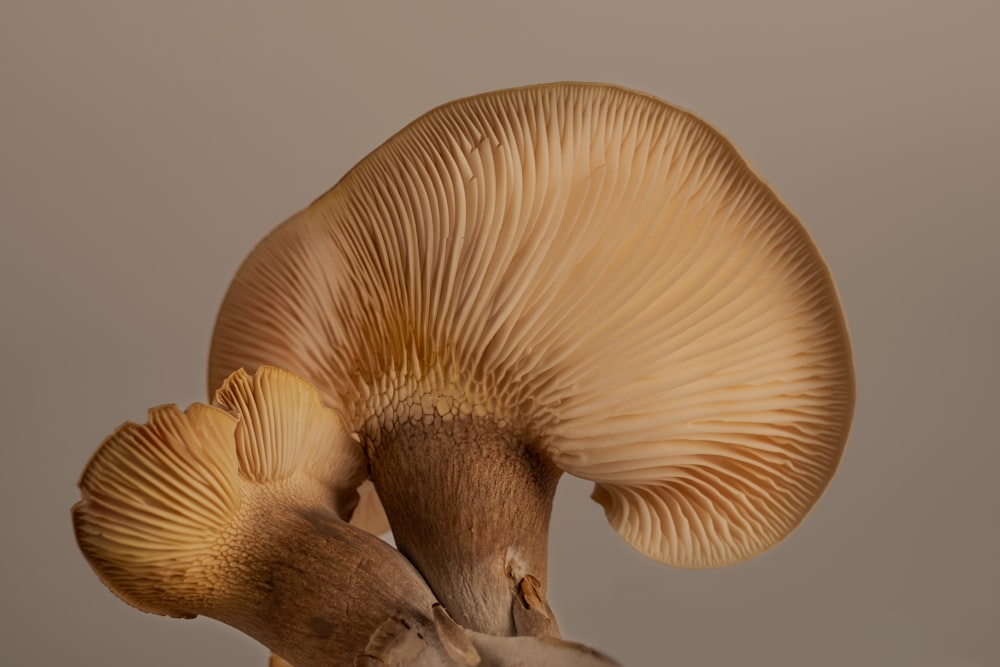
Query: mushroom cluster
{"points": [[561, 278]]}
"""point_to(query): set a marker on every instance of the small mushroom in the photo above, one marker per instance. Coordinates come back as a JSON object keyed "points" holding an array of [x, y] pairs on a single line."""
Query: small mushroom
{"points": [[560, 278], [231, 511]]}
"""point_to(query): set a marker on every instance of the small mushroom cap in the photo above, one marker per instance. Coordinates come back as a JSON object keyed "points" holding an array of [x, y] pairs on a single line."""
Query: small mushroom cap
{"points": [[281, 412], [285, 431], [156, 498], [596, 270], [164, 503]]}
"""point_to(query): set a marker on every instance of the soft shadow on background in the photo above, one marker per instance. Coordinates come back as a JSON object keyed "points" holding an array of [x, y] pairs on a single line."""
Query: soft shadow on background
{"points": [[145, 148]]}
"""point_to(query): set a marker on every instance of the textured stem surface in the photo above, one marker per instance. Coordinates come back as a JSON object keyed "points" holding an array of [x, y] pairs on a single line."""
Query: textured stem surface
{"points": [[329, 594], [469, 504], [314, 589]]}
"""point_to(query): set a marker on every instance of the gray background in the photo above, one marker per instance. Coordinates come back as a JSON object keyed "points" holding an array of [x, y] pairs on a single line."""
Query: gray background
{"points": [[145, 147]]}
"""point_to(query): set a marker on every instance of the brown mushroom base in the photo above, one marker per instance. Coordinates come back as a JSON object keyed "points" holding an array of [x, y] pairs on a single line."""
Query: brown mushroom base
{"points": [[320, 592], [469, 505], [314, 589]]}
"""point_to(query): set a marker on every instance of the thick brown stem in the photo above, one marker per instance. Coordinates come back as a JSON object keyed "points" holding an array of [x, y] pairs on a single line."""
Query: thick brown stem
{"points": [[469, 505], [314, 589]]}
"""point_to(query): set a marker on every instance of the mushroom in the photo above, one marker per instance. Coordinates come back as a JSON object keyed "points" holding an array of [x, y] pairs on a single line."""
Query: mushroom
{"points": [[560, 278], [231, 511]]}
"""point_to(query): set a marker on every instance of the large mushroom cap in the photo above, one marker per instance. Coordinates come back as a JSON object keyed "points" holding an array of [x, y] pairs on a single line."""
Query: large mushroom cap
{"points": [[592, 268]]}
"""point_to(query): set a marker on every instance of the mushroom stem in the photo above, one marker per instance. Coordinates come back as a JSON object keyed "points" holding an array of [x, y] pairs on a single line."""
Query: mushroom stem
{"points": [[469, 503], [314, 589]]}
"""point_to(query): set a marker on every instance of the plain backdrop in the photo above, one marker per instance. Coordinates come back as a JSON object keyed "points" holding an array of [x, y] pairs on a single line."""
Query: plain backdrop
{"points": [[146, 147]]}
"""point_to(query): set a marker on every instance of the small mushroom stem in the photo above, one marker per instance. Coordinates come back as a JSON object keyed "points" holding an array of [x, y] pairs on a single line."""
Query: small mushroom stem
{"points": [[469, 504], [313, 589]]}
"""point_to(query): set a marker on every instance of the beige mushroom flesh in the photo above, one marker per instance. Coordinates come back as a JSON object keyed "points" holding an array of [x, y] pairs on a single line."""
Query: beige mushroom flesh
{"points": [[562, 278]]}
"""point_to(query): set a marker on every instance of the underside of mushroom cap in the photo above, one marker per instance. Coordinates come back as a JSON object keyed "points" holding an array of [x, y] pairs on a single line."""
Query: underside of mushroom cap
{"points": [[166, 505], [156, 497], [285, 430], [594, 270]]}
